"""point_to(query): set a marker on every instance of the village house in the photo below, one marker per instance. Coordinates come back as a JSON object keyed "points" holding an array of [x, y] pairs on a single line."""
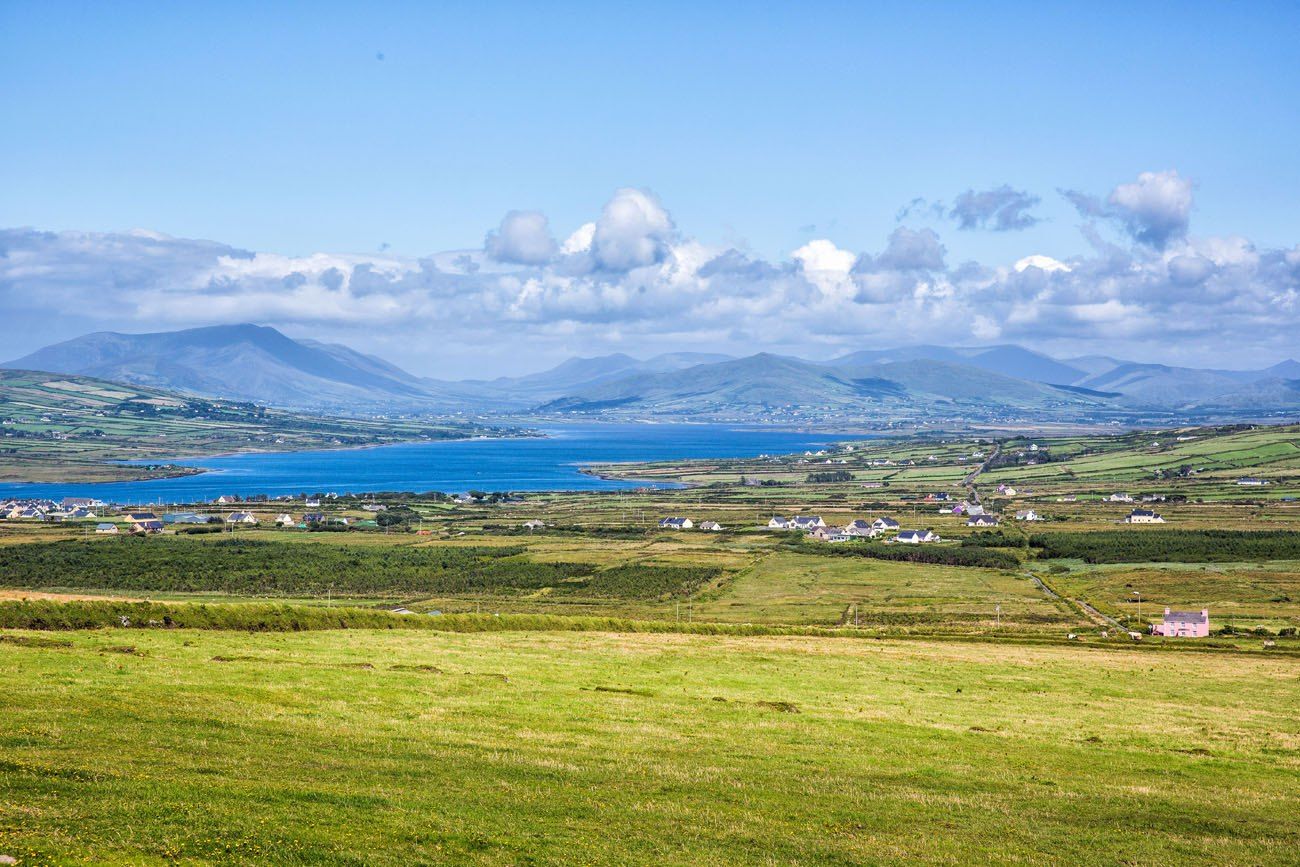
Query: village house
{"points": [[374, 507], [81, 503], [534, 524], [1183, 624], [284, 519], [916, 537], [313, 518], [183, 518], [982, 521], [821, 534], [1120, 498], [1143, 516], [1251, 481], [144, 523], [807, 522], [312, 502], [241, 518], [226, 499], [106, 529], [1028, 515], [860, 529], [676, 524], [778, 523], [711, 526], [883, 523]]}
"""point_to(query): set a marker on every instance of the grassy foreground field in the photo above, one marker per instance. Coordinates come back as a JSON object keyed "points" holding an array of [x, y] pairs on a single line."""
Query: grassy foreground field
{"points": [[373, 747]]}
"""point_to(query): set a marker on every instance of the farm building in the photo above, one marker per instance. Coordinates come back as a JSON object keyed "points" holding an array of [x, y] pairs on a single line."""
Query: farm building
{"points": [[916, 537], [1183, 624]]}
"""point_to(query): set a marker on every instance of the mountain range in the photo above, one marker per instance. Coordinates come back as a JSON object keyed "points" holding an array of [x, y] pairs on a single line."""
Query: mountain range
{"points": [[259, 363]]}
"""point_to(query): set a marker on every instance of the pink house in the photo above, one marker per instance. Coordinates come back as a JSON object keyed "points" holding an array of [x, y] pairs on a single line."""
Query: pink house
{"points": [[1183, 624]]}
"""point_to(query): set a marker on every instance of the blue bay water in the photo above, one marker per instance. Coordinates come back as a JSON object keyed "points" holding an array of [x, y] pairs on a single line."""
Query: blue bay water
{"points": [[535, 464]]}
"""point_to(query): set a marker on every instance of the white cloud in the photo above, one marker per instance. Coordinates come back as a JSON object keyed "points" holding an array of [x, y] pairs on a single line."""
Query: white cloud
{"points": [[628, 281], [633, 231], [523, 238]]}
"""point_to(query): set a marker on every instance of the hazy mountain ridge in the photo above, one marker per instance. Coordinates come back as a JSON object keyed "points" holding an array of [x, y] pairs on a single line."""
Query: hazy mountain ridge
{"points": [[260, 364]]}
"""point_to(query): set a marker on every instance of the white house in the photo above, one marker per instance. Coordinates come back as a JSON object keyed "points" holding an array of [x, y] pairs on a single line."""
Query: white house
{"points": [[226, 499], [860, 529], [106, 529], [1251, 481], [1028, 515], [241, 518], [1120, 498], [982, 521], [807, 522], [778, 523], [884, 524], [711, 526], [534, 524], [285, 520], [676, 524], [916, 537], [1143, 516]]}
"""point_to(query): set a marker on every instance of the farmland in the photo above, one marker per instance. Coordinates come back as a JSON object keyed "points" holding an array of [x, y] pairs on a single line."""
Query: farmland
{"points": [[598, 689], [381, 747]]}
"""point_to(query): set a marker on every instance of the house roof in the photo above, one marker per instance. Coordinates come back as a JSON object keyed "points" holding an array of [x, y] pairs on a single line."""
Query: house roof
{"points": [[1187, 617]]}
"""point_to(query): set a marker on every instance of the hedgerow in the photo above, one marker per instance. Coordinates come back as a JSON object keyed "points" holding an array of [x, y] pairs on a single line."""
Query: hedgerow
{"points": [[1158, 545]]}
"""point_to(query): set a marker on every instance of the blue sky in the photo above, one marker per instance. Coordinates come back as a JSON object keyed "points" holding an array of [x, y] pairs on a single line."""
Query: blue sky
{"points": [[409, 129]]}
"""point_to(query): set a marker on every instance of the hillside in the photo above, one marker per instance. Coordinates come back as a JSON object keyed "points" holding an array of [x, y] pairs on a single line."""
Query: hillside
{"points": [[236, 362], [59, 428], [766, 384]]}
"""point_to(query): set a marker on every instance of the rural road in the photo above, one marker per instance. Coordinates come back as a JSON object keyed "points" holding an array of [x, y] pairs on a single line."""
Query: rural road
{"points": [[969, 481]]}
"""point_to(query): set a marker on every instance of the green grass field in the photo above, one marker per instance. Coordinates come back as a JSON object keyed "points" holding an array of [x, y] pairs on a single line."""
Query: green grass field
{"points": [[407, 748]]}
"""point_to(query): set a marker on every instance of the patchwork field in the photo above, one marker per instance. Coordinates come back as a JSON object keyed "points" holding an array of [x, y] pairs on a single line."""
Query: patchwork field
{"points": [[365, 747]]}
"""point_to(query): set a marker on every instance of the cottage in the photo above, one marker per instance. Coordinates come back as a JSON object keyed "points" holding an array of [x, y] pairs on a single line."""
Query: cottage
{"points": [[1143, 516], [860, 529], [916, 537], [676, 524], [183, 518], [82, 503], [313, 518], [241, 518], [1028, 515], [284, 520], [312, 502], [226, 499], [982, 521], [106, 529], [1251, 481], [884, 524], [375, 507], [149, 526], [534, 524], [779, 523], [1120, 498], [807, 522], [711, 526], [821, 534], [1183, 624]]}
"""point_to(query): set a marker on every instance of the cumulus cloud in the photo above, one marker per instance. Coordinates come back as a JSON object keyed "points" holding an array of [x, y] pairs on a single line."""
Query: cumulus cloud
{"points": [[1154, 210], [1002, 209], [523, 238], [628, 281], [633, 231]]}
